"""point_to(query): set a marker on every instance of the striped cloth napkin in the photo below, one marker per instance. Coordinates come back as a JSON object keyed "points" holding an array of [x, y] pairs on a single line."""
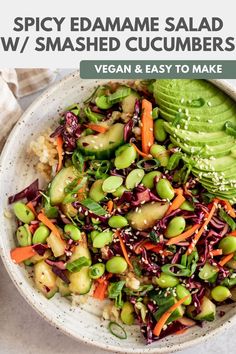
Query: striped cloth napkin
{"points": [[14, 84]]}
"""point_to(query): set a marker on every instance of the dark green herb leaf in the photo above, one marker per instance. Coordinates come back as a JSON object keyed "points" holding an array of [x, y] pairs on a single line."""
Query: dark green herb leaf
{"points": [[137, 268], [50, 211], [115, 292], [78, 160], [154, 237], [93, 206], [78, 264]]}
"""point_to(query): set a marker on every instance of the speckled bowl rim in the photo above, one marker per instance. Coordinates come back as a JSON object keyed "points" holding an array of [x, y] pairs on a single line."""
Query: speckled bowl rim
{"points": [[222, 85]]}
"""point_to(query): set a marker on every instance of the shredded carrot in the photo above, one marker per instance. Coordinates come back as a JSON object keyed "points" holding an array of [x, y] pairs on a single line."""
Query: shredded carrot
{"points": [[122, 245], [31, 207], [147, 126], [49, 224], [59, 152], [162, 252], [100, 291], [140, 152], [97, 128], [177, 202], [149, 246], [233, 233], [217, 252], [160, 324], [226, 259], [229, 208], [110, 206], [138, 248], [183, 236], [202, 229], [20, 254]]}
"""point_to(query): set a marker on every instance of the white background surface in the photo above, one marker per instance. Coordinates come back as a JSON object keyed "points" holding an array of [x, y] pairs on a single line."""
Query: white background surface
{"points": [[23, 331]]}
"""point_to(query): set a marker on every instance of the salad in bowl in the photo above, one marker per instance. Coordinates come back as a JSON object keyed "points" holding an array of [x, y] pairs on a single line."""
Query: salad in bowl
{"points": [[138, 207]]}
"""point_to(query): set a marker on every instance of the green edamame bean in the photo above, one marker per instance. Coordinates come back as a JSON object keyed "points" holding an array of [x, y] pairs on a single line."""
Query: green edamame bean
{"points": [[166, 281], [181, 292], [96, 270], [96, 193], [160, 153], [165, 189], [102, 239], [116, 265], [127, 313], [148, 179], [159, 131], [228, 244], [117, 221], [175, 227], [41, 234], [23, 235], [134, 178], [125, 156], [111, 184], [23, 213], [220, 293], [103, 102], [94, 233], [187, 206], [119, 191], [73, 232]]}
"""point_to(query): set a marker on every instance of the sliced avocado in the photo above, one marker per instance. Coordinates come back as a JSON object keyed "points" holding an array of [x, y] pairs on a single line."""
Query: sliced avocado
{"points": [[197, 112], [208, 310], [145, 216], [102, 145]]}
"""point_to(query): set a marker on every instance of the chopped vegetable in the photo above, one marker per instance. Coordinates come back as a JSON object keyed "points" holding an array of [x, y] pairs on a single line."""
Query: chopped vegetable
{"points": [[60, 152], [147, 126], [160, 324]]}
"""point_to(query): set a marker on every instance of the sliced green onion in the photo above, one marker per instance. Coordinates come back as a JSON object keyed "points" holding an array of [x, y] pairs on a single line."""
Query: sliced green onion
{"points": [[183, 271], [74, 108], [144, 164], [224, 216], [117, 330], [78, 160], [119, 94], [93, 206], [93, 116]]}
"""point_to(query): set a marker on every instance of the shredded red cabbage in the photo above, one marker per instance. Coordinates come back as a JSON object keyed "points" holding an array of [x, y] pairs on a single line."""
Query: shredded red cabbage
{"points": [[29, 193]]}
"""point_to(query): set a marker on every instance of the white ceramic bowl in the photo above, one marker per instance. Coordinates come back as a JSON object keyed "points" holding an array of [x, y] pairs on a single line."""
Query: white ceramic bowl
{"points": [[16, 172]]}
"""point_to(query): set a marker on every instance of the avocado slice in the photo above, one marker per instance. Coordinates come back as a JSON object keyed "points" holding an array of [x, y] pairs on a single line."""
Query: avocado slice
{"points": [[196, 112]]}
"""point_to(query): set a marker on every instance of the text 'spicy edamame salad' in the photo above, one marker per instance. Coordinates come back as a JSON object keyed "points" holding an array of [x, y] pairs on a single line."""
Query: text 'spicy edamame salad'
{"points": [[139, 206]]}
